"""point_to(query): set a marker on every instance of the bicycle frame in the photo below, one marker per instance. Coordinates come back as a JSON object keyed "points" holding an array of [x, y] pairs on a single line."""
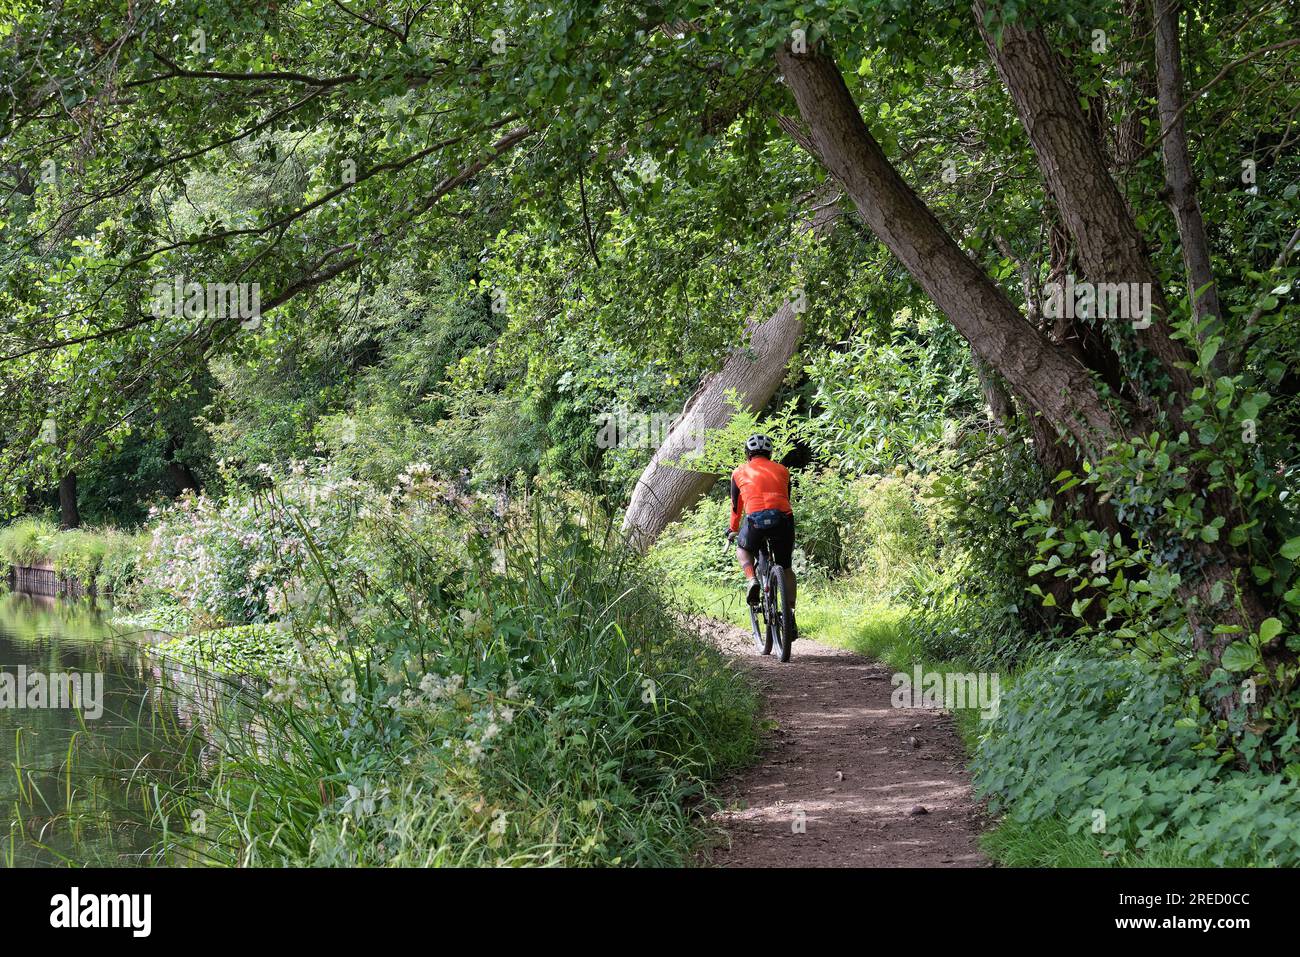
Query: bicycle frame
{"points": [[764, 565]]}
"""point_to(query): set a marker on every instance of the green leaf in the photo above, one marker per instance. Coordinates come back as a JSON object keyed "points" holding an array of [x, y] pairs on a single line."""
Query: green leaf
{"points": [[1269, 629], [1239, 657]]}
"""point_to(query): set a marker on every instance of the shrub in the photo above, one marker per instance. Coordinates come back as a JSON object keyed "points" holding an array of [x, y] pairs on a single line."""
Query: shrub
{"points": [[827, 510], [237, 560], [1111, 744], [77, 554], [694, 549], [161, 615], [968, 585], [893, 541], [949, 620], [103, 559], [1223, 480], [119, 567]]}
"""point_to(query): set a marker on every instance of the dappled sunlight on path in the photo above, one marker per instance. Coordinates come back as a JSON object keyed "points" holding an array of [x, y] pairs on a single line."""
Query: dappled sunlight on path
{"points": [[845, 777]]}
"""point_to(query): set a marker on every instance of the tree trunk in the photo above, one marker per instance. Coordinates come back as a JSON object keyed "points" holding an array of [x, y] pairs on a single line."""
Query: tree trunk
{"points": [[755, 372], [997, 402], [1046, 378], [1044, 375], [1178, 165], [180, 474], [69, 516], [1130, 131], [1110, 248]]}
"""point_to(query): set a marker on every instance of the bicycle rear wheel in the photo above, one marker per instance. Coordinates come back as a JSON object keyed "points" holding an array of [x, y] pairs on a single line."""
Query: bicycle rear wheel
{"points": [[780, 619]]}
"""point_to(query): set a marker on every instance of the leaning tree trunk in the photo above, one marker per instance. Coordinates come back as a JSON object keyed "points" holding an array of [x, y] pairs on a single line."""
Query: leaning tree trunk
{"points": [[69, 515], [663, 491], [754, 372]]}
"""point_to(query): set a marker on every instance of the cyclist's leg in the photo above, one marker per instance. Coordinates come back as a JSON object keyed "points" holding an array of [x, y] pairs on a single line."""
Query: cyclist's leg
{"points": [[782, 539], [746, 549], [746, 561]]}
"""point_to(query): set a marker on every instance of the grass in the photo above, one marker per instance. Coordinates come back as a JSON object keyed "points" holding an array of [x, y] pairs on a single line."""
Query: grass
{"points": [[27, 540], [552, 712], [513, 691]]}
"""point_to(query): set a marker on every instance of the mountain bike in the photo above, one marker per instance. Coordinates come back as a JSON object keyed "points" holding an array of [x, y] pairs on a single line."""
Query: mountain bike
{"points": [[771, 621]]}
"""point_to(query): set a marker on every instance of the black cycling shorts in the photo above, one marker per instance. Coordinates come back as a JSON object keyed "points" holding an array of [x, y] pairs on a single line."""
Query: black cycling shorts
{"points": [[772, 526]]}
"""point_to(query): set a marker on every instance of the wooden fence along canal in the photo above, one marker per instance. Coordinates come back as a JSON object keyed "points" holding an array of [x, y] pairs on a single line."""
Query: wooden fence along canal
{"points": [[44, 580]]}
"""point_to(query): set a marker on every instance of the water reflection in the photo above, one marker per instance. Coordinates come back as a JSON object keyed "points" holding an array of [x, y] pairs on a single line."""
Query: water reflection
{"points": [[77, 790]]}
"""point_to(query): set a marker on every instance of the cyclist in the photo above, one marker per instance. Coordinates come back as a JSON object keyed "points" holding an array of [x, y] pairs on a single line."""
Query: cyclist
{"points": [[760, 491]]}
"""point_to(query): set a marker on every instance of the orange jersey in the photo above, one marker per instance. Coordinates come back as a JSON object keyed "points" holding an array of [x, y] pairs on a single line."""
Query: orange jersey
{"points": [[758, 485]]}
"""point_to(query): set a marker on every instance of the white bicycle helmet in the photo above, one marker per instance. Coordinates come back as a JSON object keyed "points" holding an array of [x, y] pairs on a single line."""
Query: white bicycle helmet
{"points": [[758, 443]]}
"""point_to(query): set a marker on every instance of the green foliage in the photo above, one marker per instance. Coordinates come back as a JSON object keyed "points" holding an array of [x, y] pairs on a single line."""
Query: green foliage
{"points": [[898, 403], [77, 553], [827, 507], [162, 615], [261, 650], [241, 559], [27, 540], [973, 606], [1097, 741], [695, 549], [1127, 587], [551, 711], [722, 450], [1049, 842], [120, 563], [654, 211], [489, 433], [894, 540], [106, 560]]}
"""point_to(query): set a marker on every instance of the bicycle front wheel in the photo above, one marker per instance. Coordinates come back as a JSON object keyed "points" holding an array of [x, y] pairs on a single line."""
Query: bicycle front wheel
{"points": [[761, 641]]}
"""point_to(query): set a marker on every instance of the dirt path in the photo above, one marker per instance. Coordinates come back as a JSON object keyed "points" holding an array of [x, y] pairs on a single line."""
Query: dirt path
{"points": [[858, 770]]}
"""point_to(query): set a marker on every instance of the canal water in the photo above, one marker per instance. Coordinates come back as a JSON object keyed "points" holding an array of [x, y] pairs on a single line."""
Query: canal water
{"points": [[91, 724]]}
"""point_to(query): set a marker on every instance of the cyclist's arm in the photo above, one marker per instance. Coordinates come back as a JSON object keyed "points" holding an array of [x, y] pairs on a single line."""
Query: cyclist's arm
{"points": [[735, 505]]}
